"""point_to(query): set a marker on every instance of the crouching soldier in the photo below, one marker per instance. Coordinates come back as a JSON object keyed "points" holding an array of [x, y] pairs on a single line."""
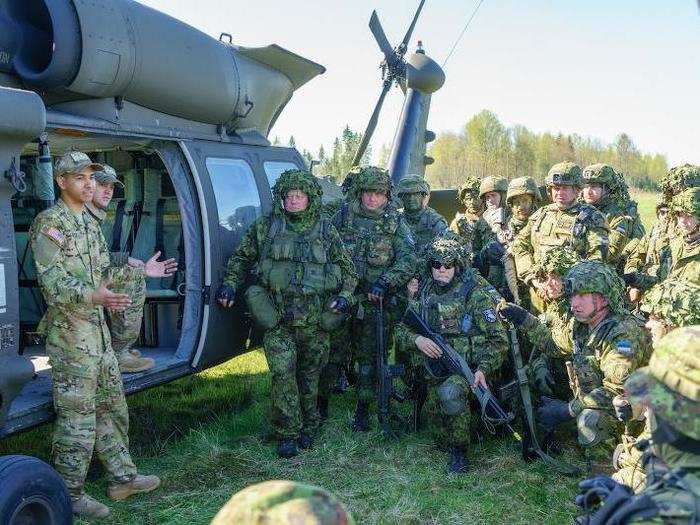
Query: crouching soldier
{"points": [[455, 306], [305, 282]]}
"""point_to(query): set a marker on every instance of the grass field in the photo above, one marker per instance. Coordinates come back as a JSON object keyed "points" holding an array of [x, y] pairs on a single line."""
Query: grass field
{"points": [[204, 435], [646, 205]]}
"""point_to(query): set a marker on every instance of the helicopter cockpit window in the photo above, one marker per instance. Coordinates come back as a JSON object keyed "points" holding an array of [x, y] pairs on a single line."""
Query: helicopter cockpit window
{"points": [[273, 170], [236, 194]]}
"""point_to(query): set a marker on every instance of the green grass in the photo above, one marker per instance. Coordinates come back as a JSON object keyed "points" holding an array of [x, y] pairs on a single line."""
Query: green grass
{"points": [[646, 205], [204, 436]]}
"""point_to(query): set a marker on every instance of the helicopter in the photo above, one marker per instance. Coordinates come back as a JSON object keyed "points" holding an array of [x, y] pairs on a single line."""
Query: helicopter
{"points": [[185, 123]]}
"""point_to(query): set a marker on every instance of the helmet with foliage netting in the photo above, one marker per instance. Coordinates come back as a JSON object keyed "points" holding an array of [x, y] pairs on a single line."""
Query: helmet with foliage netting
{"points": [[522, 186], [557, 261], [671, 382], [368, 178], [493, 184], [469, 190], [413, 184], [674, 300], [282, 501], [298, 180], [601, 175], [680, 178], [564, 174], [687, 202], [596, 277], [445, 249]]}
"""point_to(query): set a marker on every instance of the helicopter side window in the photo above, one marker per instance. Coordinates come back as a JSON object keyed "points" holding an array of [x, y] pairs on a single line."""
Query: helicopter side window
{"points": [[274, 168], [236, 194]]}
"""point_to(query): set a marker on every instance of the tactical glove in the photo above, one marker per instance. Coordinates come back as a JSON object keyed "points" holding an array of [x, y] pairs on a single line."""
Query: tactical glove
{"points": [[514, 313], [379, 289], [553, 412], [226, 293], [623, 409], [341, 304], [601, 490]]}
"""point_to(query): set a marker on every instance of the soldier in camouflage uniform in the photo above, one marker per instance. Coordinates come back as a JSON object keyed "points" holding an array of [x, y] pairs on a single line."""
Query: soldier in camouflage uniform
{"points": [[382, 248], [668, 390], [73, 264], [474, 231], [492, 193], [566, 222], [455, 306], [424, 221], [523, 199], [283, 502], [607, 191], [305, 281]]}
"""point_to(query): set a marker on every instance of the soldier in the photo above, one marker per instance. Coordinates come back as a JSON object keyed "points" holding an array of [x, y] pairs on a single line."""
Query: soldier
{"points": [[523, 199], [668, 390], [492, 193], [305, 280], [72, 268], [382, 248], [470, 226], [608, 345], [606, 190], [424, 221], [282, 501], [125, 325], [456, 307], [566, 222]]}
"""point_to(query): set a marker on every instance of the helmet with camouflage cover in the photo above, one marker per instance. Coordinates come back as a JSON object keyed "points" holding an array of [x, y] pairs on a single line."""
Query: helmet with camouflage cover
{"points": [[671, 382], [413, 184], [468, 191], [680, 178], [445, 249], [368, 178], [564, 174], [493, 184], [601, 175], [298, 180], [522, 186], [688, 202], [557, 261], [675, 301], [282, 501], [596, 277]]}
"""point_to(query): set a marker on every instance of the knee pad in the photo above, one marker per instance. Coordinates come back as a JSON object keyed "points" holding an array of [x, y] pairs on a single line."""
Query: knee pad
{"points": [[591, 428], [453, 400]]}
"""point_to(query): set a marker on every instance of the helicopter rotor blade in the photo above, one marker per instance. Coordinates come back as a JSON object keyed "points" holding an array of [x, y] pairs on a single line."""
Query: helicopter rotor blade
{"points": [[369, 130], [404, 43], [376, 27]]}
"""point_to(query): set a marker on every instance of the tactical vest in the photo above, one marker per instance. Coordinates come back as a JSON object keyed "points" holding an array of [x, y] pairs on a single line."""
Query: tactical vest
{"points": [[446, 313], [423, 228], [498, 221], [685, 260], [554, 228]]}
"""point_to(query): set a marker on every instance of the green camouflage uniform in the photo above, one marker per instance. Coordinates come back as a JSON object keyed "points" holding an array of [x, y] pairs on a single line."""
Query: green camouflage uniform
{"points": [[474, 231], [644, 255], [670, 387], [91, 413], [463, 313], [516, 187], [617, 208], [424, 221], [283, 502], [580, 227], [300, 265], [382, 247]]}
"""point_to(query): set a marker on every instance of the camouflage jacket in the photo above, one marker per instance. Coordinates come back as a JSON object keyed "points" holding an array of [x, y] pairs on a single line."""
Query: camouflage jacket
{"points": [[624, 226], [474, 231], [71, 261], [381, 245], [580, 227], [682, 260], [462, 312], [425, 226], [646, 254], [498, 220], [550, 331], [115, 258]]}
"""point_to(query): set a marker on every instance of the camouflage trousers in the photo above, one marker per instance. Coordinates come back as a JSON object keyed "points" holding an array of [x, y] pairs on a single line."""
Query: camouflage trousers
{"points": [[91, 414], [295, 356], [447, 412], [629, 461], [339, 358], [125, 326]]}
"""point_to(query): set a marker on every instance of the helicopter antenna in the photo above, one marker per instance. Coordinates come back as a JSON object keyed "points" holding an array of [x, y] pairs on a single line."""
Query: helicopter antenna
{"points": [[464, 30], [393, 71]]}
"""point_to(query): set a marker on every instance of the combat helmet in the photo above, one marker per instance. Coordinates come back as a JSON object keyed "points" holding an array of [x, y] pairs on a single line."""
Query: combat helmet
{"points": [[675, 301], [445, 249], [413, 184], [671, 382], [564, 174], [596, 277], [522, 186], [680, 178], [368, 178], [688, 201], [282, 501], [493, 184], [298, 180], [468, 194], [557, 261], [601, 175]]}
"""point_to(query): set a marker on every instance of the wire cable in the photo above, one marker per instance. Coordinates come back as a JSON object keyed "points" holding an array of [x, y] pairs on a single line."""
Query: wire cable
{"points": [[464, 30]]}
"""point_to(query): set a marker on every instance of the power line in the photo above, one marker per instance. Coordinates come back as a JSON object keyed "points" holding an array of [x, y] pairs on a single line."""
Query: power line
{"points": [[464, 30]]}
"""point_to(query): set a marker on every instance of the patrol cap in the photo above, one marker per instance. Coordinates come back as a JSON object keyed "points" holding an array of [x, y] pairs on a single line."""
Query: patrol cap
{"points": [[73, 162], [107, 176]]}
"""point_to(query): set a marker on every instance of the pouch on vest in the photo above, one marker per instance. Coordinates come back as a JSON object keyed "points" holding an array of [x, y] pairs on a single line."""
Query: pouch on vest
{"points": [[331, 320], [261, 307]]}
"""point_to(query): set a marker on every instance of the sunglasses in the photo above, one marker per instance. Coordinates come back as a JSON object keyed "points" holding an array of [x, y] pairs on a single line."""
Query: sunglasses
{"points": [[436, 265]]}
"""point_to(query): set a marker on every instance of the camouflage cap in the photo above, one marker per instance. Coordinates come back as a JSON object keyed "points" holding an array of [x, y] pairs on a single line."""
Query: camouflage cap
{"points": [[601, 175], [413, 184], [445, 249], [469, 190], [73, 162], [492, 184], [671, 382], [282, 501], [680, 178], [596, 277], [368, 178], [557, 261], [688, 201], [107, 176], [564, 174], [522, 186], [674, 300]]}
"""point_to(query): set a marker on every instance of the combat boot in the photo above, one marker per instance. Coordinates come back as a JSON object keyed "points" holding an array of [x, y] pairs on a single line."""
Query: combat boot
{"points": [[287, 448], [361, 421], [136, 485], [89, 508], [323, 408], [305, 441], [459, 464], [130, 364]]}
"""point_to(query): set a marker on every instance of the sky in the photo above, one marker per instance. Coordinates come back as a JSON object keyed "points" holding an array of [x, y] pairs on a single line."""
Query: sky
{"points": [[592, 67]]}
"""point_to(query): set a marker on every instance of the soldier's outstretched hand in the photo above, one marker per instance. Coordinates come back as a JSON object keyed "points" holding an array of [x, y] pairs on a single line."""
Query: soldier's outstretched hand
{"points": [[157, 269], [103, 296]]}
